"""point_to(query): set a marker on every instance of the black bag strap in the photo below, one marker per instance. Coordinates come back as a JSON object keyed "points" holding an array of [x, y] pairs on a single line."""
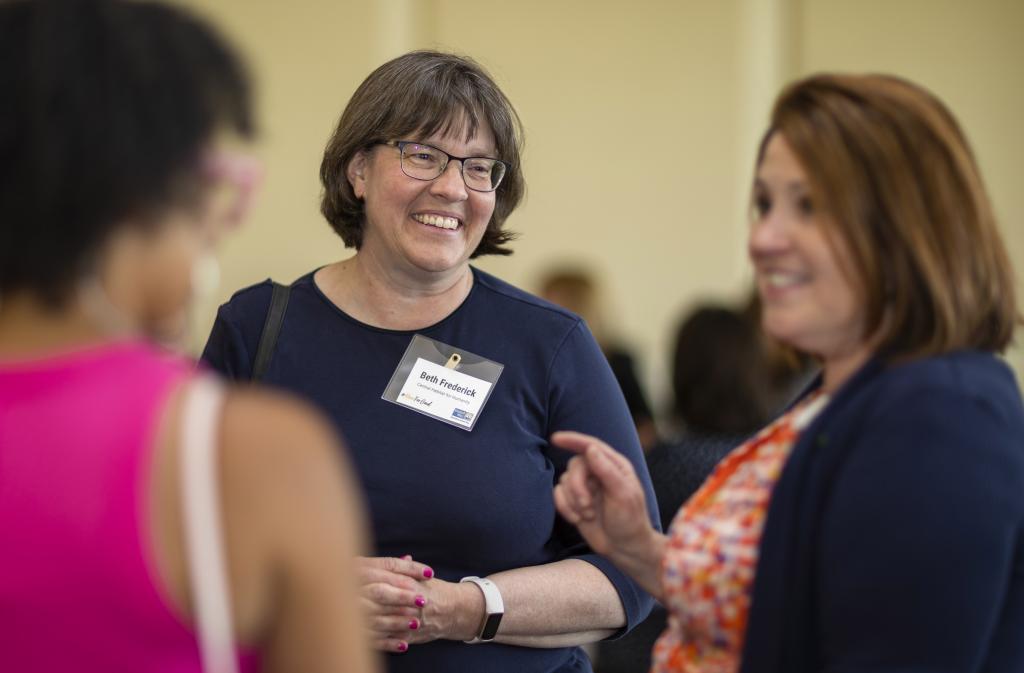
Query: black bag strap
{"points": [[271, 329]]}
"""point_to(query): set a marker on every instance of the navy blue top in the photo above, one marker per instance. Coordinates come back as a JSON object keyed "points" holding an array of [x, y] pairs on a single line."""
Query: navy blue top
{"points": [[465, 503], [894, 540]]}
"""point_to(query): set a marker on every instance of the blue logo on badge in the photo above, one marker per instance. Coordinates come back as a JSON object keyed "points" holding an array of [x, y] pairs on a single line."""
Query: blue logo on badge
{"points": [[462, 415]]}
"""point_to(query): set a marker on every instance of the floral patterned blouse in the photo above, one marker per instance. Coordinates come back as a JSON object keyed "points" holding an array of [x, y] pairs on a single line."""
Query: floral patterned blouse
{"points": [[708, 571]]}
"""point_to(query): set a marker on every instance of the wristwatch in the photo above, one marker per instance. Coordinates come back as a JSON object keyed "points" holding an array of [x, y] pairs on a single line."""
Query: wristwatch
{"points": [[494, 609]]}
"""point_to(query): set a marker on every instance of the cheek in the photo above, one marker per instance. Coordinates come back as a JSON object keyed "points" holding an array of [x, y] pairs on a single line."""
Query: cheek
{"points": [[388, 199], [482, 209], [837, 294], [168, 278]]}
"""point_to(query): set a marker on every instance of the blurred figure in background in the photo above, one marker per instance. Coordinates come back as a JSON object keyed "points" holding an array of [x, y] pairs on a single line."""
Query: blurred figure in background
{"points": [[720, 375], [577, 291], [110, 449], [722, 392]]}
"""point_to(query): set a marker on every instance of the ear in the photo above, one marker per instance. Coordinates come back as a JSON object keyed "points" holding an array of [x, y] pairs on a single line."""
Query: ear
{"points": [[356, 173]]}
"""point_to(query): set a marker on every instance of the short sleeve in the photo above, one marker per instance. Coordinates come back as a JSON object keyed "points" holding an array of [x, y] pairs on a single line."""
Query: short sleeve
{"points": [[584, 396], [225, 350]]}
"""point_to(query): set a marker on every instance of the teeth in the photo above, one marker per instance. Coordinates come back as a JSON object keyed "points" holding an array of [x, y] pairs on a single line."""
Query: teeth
{"points": [[780, 280], [438, 221]]}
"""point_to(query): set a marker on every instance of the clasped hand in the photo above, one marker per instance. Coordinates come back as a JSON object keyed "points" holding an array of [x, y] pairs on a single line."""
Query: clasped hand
{"points": [[406, 605]]}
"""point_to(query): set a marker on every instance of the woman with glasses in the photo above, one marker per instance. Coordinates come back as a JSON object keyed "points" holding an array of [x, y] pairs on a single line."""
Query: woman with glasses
{"points": [[117, 459], [877, 525], [447, 382]]}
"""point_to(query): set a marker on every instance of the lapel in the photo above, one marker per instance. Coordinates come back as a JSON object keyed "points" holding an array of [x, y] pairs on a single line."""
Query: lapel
{"points": [[781, 630]]}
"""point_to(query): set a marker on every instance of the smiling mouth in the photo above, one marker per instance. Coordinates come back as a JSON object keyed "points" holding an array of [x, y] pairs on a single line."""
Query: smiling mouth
{"points": [[438, 221], [778, 282]]}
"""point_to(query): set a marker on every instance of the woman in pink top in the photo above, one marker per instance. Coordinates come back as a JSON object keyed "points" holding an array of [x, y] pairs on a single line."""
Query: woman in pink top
{"points": [[108, 170]]}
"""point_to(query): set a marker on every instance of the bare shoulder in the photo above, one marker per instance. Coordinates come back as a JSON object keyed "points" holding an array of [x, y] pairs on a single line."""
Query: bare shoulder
{"points": [[295, 503], [267, 417], [272, 429], [284, 462]]}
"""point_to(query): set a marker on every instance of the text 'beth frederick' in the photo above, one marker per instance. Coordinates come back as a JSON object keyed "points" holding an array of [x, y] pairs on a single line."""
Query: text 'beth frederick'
{"points": [[450, 385]]}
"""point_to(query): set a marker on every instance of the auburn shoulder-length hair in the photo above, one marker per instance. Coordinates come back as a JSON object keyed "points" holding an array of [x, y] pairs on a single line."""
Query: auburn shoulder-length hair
{"points": [[891, 166]]}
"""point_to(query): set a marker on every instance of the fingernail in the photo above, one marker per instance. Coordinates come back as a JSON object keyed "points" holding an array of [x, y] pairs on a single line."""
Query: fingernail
{"points": [[428, 573], [407, 557], [402, 647], [414, 624], [420, 601]]}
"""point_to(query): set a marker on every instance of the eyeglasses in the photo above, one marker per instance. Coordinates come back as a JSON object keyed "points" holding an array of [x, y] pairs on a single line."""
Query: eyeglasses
{"points": [[424, 162]]}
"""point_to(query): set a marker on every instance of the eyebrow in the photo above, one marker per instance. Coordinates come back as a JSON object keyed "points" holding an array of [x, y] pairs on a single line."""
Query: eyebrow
{"points": [[793, 186], [476, 151]]}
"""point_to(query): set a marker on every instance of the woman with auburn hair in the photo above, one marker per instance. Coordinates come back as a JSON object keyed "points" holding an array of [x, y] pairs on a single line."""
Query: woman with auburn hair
{"points": [[878, 525]]}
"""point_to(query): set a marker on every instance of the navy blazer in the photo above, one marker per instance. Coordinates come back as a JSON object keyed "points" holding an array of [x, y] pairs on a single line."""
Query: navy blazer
{"points": [[894, 540]]}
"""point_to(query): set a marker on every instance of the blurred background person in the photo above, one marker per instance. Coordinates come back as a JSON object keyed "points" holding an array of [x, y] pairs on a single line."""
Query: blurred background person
{"points": [[110, 162], [577, 290], [722, 392], [419, 178], [878, 524]]}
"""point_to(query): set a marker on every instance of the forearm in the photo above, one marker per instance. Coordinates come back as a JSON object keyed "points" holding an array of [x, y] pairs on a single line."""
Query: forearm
{"points": [[559, 604], [557, 640]]}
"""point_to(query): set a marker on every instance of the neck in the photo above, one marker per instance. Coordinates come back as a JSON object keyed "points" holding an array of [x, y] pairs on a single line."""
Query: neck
{"points": [[838, 367], [390, 298], [837, 370], [29, 327]]}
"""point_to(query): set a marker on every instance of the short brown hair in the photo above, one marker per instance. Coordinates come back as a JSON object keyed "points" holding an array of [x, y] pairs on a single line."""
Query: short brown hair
{"points": [[425, 92], [891, 165]]}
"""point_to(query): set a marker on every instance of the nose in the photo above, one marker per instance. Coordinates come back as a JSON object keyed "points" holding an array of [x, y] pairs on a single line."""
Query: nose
{"points": [[769, 235], [450, 185]]}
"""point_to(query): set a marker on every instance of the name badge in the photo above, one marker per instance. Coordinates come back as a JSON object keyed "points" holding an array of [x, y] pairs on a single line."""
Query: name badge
{"points": [[444, 382]]}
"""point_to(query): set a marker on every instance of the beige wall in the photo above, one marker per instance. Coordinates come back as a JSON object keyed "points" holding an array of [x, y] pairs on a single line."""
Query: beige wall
{"points": [[641, 119]]}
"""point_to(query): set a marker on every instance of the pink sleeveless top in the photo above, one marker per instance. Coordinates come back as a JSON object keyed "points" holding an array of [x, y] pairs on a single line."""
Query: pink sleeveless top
{"points": [[78, 587]]}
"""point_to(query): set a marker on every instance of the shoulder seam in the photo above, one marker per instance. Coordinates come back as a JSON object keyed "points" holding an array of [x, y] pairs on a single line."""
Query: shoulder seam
{"points": [[568, 315], [551, 367]]}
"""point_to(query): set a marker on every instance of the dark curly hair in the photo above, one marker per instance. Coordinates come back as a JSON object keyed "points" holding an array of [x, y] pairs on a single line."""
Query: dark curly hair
{"points": [[105, 110], [425, 92]]}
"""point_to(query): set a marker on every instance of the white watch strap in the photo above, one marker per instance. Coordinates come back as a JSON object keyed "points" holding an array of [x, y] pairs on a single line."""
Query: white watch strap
{"points": [[493, 603], [204, 541]]}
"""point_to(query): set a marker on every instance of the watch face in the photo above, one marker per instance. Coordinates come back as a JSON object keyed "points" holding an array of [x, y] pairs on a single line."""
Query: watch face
{"points": [[490, 627]]}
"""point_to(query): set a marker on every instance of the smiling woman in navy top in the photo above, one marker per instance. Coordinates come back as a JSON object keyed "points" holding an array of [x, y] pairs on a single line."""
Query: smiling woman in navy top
{"points": [[419, 177]]}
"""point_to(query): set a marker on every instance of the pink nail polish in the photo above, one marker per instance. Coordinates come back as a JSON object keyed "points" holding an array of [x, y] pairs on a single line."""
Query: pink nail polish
{"points": [[402, 647], [420, 601], [414, 624], [428, 573], [407, 557]]}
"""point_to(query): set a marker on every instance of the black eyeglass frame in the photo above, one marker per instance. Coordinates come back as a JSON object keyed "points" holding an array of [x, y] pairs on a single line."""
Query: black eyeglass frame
{"points": [[401, 144]]}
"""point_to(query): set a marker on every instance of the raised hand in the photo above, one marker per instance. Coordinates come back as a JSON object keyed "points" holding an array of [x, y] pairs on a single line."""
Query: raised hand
{"points": [[601, 495]]}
